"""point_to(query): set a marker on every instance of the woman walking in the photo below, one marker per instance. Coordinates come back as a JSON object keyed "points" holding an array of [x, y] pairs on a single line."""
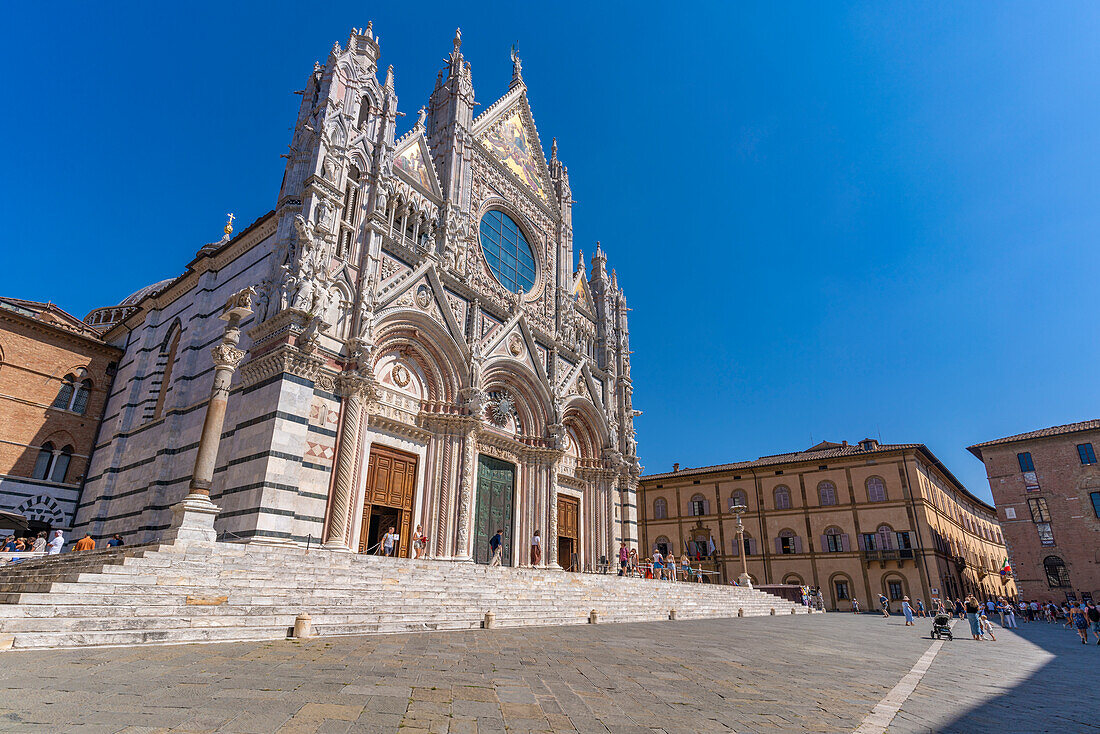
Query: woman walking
{"points": [[972, 608], [1080, 621], [958, 610], [908, 611]]}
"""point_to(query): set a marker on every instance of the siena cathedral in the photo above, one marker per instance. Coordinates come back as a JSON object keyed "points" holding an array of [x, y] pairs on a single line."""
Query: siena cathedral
{"points": [[418, 349]]}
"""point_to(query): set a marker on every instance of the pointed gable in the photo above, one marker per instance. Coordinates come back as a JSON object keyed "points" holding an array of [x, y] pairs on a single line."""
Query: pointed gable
{"points": [[510, 136], [413, 160]]}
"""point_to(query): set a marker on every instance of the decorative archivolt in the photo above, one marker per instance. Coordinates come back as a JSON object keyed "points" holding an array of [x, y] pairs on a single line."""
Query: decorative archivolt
{"points": [[416, 336], [533, 402]]}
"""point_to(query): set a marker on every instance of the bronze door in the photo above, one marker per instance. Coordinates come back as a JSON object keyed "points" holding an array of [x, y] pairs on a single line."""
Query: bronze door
{"points": [[496, 481], [391, 486]]}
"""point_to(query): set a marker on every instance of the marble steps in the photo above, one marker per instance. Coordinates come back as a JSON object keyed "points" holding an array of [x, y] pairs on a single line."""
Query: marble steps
{"points": [[198, 592]]}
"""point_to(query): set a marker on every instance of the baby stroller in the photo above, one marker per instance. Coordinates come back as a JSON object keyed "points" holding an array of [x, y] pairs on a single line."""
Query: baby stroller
{"points": [[941, 627]]}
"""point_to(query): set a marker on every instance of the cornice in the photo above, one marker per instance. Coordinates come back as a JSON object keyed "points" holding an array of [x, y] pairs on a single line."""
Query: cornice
{"points": [[95, 342]]}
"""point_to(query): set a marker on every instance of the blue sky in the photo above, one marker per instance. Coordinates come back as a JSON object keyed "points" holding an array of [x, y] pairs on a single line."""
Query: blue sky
{"points": [[832, 221]]}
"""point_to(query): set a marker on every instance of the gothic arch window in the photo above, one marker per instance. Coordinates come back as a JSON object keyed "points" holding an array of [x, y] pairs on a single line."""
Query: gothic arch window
{"points": [[876, 489], [660, 509], [1057, 574], [166, 362], [738, 498], [699, 505], [663, 545], [826, 493], [782, 497], [74, 392], [52, 465], [793, 579], [895, 587], [42, 463], [349, 216], [364, 112], [841, 587]]}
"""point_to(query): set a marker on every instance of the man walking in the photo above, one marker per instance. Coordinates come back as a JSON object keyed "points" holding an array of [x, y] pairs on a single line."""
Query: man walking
{"points": [[85, 543], [496, 546], [389, 542], [885, 604]]}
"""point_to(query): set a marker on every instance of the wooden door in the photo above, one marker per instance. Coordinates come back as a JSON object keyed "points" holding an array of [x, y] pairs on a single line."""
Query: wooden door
{"points": [[391, 484], [568, 532], [496, 481]]}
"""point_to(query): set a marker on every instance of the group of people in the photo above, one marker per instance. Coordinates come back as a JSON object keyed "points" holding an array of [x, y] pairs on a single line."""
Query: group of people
{"points": [[390, 540], [659, 566], [54, 544]]}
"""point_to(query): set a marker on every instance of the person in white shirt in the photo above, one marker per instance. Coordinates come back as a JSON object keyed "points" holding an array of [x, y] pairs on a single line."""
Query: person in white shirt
{"points": [[57, 542], [536, 549]]}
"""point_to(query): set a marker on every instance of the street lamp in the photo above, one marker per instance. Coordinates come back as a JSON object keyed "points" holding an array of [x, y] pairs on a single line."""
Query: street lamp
{"points": [[743, 579]]}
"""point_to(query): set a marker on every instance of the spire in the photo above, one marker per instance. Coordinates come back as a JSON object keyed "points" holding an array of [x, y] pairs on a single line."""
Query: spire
{"points": [[517, 69], [554, 150], [580, 261], [389, 77], [614, 280]]}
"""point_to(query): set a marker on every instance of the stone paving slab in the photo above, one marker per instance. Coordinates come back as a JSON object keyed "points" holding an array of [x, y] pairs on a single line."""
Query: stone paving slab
{"points": [[822, 673]]}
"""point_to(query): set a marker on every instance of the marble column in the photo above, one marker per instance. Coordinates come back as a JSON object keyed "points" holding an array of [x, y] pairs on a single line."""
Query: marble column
{"points": [[193, 518], [354, 389], [552, 519], [466, 494]]}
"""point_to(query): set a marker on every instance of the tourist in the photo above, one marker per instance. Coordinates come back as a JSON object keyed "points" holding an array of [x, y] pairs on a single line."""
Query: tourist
{"points": [[920, 608], [973, 607], [685, 566], [39, 543], [990, 606], [389, 542], [658, 564], [671, 574], [632, 567], [986, 627], [115, 541], [907, 611], [624, 559], [1080, 621], [1023, 607], [958, 610], [1008, 612], [647, 568], [496, 545], [420, 542], [84, 544], [57, 542], [855, 605], [9, 544], [1093, 613], [885, 604]]}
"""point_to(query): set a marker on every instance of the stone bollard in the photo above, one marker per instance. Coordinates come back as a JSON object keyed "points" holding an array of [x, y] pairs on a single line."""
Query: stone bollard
{"points": [[672, 614], [490, 620], [773, 611], [741, 612], [302, 626], [593, 617]]}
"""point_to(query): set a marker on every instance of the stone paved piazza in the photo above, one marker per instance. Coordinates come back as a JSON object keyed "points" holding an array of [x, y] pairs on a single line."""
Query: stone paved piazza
{"points": [[821, 673]]}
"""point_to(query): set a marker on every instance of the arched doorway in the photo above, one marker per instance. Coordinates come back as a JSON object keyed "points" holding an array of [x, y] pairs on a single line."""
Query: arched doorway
{"points": [[496, 483]]}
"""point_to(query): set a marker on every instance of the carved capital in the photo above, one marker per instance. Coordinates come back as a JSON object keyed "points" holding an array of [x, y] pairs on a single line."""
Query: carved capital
{"points": [[357, 386], [227, 355]]}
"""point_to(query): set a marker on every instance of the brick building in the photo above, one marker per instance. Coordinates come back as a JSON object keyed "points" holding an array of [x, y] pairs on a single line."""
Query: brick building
{"points": [[854, 520], [54, 375], [1046, 485]]}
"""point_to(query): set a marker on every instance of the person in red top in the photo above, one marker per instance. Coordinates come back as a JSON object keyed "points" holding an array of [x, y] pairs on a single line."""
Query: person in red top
{"points": [[85, 543], [624, 558]]}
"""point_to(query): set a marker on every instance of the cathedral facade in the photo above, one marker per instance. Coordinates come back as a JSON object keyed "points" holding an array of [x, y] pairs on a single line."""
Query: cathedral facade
{"points": [[420, 352]]}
